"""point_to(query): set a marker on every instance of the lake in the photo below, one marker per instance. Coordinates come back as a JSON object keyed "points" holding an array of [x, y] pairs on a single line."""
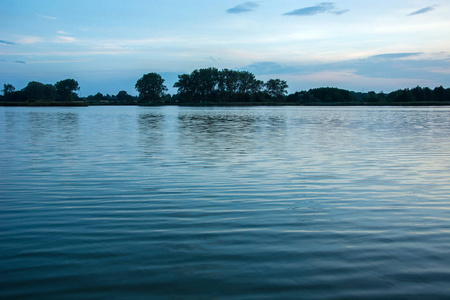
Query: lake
{"points": [[225, 203]]}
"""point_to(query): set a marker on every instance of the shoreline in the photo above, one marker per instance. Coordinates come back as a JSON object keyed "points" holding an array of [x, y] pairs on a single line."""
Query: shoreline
{"points": [[45, 104], [218, 104]]}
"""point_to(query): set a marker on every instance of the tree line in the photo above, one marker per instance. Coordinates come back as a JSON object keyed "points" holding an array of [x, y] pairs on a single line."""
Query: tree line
{"points": [[335, 96], [61, 92], [122, 98], [211, 86]]}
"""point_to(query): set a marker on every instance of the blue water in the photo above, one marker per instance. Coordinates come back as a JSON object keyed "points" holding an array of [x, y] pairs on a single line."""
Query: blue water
{"points": [[225, 203]]}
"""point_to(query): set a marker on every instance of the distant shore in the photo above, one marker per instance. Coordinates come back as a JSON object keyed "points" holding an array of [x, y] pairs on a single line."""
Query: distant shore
{"points": [[214, 87], [212, 104], [237, 104], [46, 104]]}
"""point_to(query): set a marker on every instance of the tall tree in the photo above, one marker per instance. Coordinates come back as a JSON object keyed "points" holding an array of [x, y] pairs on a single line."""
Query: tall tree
{"points": [[151, 87], [440, 93], [276, 88], [8, 89], [65, 89], [184, 86], [39, 91]]}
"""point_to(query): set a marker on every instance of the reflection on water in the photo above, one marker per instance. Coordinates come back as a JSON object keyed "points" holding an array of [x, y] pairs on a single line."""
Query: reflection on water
{"points": [[231, 138], [151, 133], [214, 140], [204, 203], [44, 127]]}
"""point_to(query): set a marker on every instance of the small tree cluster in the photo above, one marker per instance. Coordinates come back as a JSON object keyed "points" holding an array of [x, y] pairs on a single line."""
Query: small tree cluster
{"points": [[213, 85], [122, 98], [62, 91]]}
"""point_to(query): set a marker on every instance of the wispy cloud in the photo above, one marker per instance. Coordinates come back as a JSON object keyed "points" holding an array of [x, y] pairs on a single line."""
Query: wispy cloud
{"points": [[30, 40], [62, 32], [65, 39], [383, 71], [423, 10], [341, 12], [20, 62], [385, 62], [58, 61], [47, 17], [396, 55], [324, 7], [6, 42], [243, 8]]}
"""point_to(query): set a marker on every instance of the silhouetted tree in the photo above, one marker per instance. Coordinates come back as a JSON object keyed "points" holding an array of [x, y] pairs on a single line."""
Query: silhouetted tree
{"points": [[98, 96], [207, 81], [8, 89], [418, 94], [248, 84], [429, 95], [372, 98], [9, 93], [39, 91], [212, 85], [185, 88], [151, 87], [276, 88], [65, 90], [125, 98], [401, 97], [333, 96]]}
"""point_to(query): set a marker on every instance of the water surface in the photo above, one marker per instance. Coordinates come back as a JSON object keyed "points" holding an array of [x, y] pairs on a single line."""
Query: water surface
{"points": [[224, 203]]}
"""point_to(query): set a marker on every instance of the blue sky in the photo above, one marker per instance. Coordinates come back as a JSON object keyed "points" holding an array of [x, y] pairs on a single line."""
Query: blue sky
{"points": [[107, 45]]}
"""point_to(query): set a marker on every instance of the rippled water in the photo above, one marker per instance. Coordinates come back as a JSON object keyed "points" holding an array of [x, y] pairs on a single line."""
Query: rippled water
{"points": [[224, 203]]}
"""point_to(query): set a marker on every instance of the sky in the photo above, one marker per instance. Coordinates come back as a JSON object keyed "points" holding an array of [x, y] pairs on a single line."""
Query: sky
{"points": [[107, 45]]}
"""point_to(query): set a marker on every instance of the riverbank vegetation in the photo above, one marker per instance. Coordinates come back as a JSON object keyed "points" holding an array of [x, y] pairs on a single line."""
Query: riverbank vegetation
{"points": [[211, 86], [36, 93]]}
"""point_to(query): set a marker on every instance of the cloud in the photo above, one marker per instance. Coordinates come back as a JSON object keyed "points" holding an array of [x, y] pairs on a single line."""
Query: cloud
{"points": [[30, 40], [396, 55], [66, 39], [16, 61], [324, 7], [212, 58], [6, 42], [243, 8], [64, 61], [269, 67], [312, 10], [399, 65], [423, 11], [47, 17], [400, 68], [341, 12], [62, 32]]}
